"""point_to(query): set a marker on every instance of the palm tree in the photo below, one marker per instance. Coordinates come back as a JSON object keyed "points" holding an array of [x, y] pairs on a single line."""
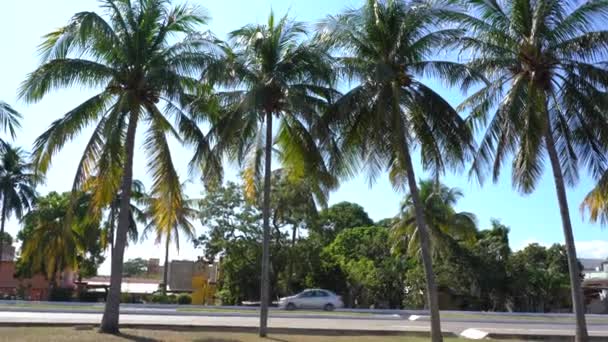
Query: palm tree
{"points": [[136, 214], [17, 185], [546, 89], [57, 233], [9, 120], [268, 71], [136, 57], [389, 112], [596, 202], [445, 224], [170, 216]]}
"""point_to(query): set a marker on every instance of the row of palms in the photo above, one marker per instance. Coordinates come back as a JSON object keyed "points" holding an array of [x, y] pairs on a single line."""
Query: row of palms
{"points": [[64, 230], [536, 69]]}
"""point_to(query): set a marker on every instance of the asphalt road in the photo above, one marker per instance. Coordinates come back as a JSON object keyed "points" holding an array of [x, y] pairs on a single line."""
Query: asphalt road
{"points": [[370, 324]]}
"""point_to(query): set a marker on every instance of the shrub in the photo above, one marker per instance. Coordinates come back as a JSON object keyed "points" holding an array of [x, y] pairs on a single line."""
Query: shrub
{"points": [[184, 299], [61, 294], [126, 298], [89, 297], [172, 299], [160, 298]]}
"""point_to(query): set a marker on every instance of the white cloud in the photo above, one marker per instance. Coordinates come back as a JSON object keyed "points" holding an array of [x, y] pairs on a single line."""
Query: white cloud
{"points": [[597, 249]]}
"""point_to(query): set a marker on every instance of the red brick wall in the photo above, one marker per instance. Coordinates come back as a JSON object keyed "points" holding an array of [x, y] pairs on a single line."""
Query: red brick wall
{"points": [[36, 288]]}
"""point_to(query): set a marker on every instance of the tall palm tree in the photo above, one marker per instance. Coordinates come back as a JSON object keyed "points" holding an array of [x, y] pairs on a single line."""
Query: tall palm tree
{"points": [[445, 224], [389, 112], [140, 55], [265, 72], [171, 216], [544, 97], [9, 121], [17, 185]]}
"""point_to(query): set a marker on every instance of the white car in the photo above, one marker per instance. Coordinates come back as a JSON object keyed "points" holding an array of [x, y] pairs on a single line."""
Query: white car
{"points": [[312, 299]]}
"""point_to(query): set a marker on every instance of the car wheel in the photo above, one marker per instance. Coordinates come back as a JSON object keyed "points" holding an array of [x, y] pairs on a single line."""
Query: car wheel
{"points": [[329, 307], [290, 306]]}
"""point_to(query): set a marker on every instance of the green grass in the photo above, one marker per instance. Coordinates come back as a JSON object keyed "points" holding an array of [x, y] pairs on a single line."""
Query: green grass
{"points": [[521, 318], [51, 306], [90, 334]]}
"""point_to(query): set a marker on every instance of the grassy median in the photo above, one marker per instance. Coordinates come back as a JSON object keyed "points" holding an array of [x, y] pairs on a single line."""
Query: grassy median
{"points": [[89, 334]]}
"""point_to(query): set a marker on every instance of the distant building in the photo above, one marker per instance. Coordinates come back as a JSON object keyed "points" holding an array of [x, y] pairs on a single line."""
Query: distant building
{"points": [[600, 271], [181, 273], [8, 253], [154, 266], [36, 287], [595, 285], [137, 286], [591, 265]]}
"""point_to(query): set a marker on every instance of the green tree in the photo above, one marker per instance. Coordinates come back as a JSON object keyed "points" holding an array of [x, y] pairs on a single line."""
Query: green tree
{"points": [[388, 112], [7, 238], [542, 275], [294, 206], [139, 55], [17, 185], [135, 267], [59, 234], [170, 216], [374, 274], [233, 234], [446, 225], [545, 87], [269, 71], [341, 216], [492, 252]]}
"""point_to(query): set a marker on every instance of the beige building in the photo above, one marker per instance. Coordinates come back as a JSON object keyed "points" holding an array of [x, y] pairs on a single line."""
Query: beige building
{"points": [[181, 273]]}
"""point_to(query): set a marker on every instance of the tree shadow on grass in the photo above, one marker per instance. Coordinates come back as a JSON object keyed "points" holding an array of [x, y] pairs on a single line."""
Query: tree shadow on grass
{"points": [[214, 339], [136, 338]]}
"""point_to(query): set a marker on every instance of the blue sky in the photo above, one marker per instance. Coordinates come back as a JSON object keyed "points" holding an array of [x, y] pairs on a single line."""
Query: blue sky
{"points": [[532, 218]]}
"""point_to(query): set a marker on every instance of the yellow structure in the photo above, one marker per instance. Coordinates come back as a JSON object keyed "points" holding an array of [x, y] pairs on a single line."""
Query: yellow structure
{"points": [[203, 292], [203, 285]]}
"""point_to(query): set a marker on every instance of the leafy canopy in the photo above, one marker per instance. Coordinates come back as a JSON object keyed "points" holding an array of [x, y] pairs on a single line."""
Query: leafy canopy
{"points": [[140, 56], [543, 63]]}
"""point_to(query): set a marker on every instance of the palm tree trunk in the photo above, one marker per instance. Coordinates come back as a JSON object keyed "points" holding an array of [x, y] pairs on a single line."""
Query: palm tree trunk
{"points": [[573, 269], [112, 219], [292, 256], [423, 233], [166, 268], [109, 322], [2, 222], [425, 248], [265, 286]]}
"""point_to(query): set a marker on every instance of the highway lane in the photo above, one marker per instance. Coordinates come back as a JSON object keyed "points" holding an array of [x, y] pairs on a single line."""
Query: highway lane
{"points": [[305, 323]]}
